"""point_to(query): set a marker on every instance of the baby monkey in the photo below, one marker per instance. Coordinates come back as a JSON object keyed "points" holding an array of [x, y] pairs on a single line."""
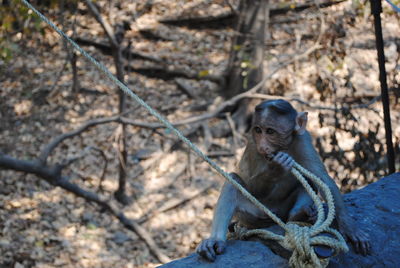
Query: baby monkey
{"points": [[278, 136]]}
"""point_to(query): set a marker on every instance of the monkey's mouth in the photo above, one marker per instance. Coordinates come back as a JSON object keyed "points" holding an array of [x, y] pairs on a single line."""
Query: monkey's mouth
{"points": [[269, 157]]}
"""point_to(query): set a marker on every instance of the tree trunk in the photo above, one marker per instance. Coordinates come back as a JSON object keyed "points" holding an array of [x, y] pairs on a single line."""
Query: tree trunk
{"points": [[245, 67]]}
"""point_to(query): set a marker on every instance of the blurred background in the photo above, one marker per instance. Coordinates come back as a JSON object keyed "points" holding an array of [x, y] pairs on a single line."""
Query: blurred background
{"points": [[203, 65]]}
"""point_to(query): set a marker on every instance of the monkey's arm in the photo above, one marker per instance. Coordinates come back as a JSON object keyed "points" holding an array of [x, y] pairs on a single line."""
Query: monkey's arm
{"points": [[223, 213], [302, 208], [347, 226]]}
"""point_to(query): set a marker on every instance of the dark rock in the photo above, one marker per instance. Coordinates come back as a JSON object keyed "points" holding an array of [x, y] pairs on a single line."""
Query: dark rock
{"points": [[237, 254], [376, 209]]}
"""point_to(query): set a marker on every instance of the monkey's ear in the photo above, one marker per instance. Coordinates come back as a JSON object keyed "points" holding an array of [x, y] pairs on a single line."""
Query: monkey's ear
{"points": [[301, 122]]}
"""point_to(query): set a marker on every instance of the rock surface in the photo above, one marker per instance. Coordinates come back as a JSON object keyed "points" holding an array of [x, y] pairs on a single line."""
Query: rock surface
{"points": [[376, 209]]}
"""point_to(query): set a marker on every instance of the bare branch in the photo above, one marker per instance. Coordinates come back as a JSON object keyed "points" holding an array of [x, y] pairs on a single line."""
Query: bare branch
{"points": [[126, 52], [103, 173], [301, 7], [91, 123], [174, 203], [51, 146], [34, 167], [51, 175], [303, 102], [69, 161], [128, 223], [231, 124], [220, 153], [248, 94], [104, 24], [233, 8], [207, 137]]}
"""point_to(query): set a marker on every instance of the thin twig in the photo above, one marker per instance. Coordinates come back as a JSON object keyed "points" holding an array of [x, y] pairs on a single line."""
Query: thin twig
{"points": [[104, 24], [53, 144], [69, 161], [233, 129], [103, 173], [172, 204], [219, 153], [232, 7], [207, 136]]}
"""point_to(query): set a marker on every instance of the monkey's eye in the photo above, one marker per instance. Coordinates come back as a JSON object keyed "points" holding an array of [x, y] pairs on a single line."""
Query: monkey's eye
{"points": [[270, 131], [257, 130]]}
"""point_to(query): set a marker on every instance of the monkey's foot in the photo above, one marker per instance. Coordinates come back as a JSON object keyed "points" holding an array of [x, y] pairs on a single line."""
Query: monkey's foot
{"points": [[210, 248]]}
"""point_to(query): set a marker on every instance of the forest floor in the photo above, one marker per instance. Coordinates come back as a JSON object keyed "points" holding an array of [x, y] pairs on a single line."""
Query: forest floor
{"points": [[334, 66]]}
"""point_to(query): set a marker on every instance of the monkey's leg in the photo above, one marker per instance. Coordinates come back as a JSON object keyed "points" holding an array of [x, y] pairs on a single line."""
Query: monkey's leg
{"points": [[223, 213], [303, 208], [304, 211]]}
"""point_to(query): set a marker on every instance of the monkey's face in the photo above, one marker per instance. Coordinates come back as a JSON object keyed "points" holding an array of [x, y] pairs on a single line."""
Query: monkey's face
{"points": [[272, 134]]}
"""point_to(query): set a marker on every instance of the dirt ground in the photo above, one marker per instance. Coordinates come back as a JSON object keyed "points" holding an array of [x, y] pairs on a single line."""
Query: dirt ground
{"points": [[41, 226]]}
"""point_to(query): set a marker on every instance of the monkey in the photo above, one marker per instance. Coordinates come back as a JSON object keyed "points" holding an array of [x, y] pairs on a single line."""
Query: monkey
{"points": [[277, 138]]}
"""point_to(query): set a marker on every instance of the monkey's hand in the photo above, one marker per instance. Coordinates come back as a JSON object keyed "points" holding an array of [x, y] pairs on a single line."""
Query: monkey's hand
{"points": [[209, 248], [305, 213], [284, 160], [357, 237]]}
